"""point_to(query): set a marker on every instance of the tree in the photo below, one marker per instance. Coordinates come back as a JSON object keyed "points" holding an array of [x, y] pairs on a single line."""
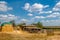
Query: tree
{"points": [[39, 24], [33, 24], [21, 24], [13, 23]]}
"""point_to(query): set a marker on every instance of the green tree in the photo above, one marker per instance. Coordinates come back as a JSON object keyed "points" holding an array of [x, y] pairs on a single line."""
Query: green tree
{"points": [[21, 24], [39, 24], [13, 23]]}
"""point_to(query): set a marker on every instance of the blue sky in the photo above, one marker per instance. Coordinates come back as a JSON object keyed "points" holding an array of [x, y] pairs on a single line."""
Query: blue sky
{"points": [[31, 11]]}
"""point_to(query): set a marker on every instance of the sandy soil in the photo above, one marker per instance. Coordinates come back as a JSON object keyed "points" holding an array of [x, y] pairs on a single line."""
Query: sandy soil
{"points": [[16, 35], [55, 37]]}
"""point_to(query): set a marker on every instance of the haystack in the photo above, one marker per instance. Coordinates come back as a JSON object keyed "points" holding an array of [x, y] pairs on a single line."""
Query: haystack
{"points": [[7, 27]]}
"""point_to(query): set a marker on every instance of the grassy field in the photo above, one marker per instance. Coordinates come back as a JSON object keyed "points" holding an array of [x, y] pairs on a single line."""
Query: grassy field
{"points": [[18, 36]]}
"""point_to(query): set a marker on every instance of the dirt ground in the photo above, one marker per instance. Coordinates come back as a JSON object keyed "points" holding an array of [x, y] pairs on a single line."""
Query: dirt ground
{"points": [[55, 37], [27, 36]]}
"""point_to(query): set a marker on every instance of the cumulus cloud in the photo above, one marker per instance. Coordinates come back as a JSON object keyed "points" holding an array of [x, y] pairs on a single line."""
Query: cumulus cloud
{"points": [[7, 17], [3, 2], [55, 11], [55, 14], [45, 12], [27, 6], [51, 22], [51, 16], [46, 6], [4, 7], [30, 14], [39, 17], [36, 7], [57, 7], [39, 8], [24, 20]]}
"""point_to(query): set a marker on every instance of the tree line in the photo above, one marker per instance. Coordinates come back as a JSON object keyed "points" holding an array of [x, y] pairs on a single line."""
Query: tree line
{"points": [[38, 24]]}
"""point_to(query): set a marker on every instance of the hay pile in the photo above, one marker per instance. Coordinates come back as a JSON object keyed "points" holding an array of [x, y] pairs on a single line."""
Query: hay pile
{"points": [[7, 28]]}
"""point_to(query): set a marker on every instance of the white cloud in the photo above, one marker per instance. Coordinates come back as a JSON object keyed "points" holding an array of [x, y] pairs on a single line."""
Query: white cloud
{"points": [[35, 7], [27, 6], [24, 20], [55, 14], [30, 14], [42, 17], [8, 17], [45, 12], [10, 8], [51, 22], [46, 6], [57, 7], [39, 17], [51, 16], [4, 7], [3, 2], [39, 8], [55, 11]]}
